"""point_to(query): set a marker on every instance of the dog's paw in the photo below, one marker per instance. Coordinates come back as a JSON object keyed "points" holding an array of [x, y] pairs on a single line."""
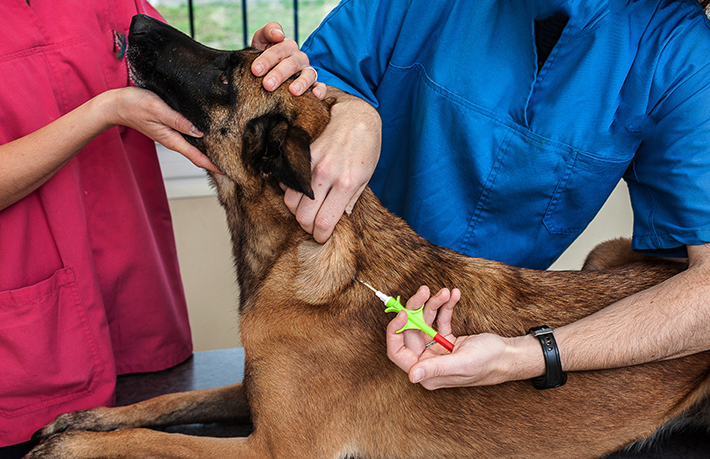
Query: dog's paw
{"points": [[94, 419]]}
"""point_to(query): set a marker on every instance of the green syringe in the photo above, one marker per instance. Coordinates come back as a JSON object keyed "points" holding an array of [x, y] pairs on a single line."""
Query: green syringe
{"points": [[415, 319]]}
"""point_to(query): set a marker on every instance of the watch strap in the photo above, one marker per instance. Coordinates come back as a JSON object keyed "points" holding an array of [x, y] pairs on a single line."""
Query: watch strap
{"points": [[554, 376]]}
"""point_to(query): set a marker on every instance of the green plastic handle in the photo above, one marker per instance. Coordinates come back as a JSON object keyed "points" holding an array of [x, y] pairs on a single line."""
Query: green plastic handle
{"points": [[415, 319]]}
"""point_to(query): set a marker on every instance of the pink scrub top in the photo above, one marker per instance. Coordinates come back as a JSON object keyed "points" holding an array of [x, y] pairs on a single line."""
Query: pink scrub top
{"points": [[89, 279]]}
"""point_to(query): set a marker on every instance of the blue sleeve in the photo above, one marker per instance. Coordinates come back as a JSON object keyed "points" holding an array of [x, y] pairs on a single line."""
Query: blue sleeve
{"points": [[669, 179], [352, 46]]}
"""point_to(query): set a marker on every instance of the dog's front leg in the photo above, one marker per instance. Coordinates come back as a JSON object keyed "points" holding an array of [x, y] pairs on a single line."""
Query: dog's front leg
{"points": [[223, 404], [146, 444]]}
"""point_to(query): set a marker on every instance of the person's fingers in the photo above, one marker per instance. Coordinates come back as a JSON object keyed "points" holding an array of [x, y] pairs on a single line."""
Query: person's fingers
{"points": [[305, 80], [292, 198], [197, 158], [418, 299], [176, 142], [416, 340], [281, 61], [267, 36], [144, 111], [339, 200], [397, 352], [351, 204], [178, 122], [307, 211], [446, 312], [432, 305], [320, 90]]}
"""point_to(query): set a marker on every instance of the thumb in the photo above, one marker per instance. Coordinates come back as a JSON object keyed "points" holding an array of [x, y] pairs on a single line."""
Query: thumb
{"points": [[268, 35], [417, 374], [428, 371]]}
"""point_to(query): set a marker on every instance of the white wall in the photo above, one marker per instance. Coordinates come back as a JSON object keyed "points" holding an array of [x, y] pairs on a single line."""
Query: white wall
{"points": [[613, 220], [205, 255]]}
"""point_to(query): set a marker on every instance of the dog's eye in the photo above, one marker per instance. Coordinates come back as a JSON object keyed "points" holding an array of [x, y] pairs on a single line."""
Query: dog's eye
{"points": [[223, 78]]}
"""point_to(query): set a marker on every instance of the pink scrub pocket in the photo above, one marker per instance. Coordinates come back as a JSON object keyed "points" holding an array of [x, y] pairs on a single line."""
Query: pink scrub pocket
{"points": [[48, 355]]}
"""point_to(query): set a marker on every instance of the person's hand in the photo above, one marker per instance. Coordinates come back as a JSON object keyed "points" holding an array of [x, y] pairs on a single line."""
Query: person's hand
{"points": [[282, 59], [410, 347], [476, 360], [147, 113], [343, 160]]}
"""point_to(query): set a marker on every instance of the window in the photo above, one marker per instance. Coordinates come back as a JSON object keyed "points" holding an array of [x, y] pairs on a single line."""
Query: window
{"points": [[228, 24]]}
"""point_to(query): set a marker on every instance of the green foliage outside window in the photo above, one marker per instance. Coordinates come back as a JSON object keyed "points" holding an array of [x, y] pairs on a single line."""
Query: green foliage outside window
{"points": [[218, 23]]}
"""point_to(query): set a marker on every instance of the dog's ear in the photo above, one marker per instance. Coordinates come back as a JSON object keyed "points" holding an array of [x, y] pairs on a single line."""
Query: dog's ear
{"points": [[273, 146]]}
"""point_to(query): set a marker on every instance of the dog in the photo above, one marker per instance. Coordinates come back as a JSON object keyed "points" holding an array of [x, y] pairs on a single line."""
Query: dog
{"points": [[317, 382]]}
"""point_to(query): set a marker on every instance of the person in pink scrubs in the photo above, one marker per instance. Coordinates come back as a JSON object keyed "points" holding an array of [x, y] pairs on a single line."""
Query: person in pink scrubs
{"points": [[89, 281]]}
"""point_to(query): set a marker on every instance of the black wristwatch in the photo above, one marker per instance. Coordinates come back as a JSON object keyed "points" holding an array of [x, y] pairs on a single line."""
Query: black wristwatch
{"points": [[554, 376]]}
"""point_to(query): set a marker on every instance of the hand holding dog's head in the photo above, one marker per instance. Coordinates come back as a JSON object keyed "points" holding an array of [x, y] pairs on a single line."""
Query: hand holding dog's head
{"points": [[253, 136]]}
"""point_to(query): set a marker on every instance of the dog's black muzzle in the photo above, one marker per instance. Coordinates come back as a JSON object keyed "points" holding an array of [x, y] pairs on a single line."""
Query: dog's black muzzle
{"points": [[188, 76]]}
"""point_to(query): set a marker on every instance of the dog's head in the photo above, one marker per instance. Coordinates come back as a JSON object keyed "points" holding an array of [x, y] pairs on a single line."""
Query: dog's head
{"points": [[251, 135]]}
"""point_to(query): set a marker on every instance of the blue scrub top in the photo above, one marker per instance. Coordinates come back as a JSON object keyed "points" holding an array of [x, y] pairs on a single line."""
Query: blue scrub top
{"points": [[488, 155]]}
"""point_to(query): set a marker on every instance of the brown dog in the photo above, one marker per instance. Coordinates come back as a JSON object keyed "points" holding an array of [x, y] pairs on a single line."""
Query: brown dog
{"points": [[317, 381]]}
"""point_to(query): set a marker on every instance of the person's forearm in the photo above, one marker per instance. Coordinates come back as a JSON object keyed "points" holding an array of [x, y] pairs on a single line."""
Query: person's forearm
{"points": [[669, 320], [28, 162]]}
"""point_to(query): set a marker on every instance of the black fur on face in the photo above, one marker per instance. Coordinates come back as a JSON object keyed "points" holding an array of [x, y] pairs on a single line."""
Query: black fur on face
{"points": [[187, 75], [252, 135]]}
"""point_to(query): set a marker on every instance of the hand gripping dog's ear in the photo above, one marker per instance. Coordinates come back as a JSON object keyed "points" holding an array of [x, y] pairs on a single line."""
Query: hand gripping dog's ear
{"points": [[273, 146]]}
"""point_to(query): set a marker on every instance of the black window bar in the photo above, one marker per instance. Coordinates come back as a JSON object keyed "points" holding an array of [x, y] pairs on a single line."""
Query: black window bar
{"points": [[245, 33]]}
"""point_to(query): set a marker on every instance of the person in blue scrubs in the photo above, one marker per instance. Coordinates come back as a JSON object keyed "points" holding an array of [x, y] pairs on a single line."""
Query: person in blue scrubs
{"points": [[505, 125]]}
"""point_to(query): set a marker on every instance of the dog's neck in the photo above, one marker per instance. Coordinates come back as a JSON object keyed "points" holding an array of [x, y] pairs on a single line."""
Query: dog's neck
{"points": [[260, 227], [371, 244], [263, 230]]}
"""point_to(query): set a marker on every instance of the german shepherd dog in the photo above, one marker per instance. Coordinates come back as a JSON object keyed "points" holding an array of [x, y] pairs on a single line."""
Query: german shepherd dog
{"points": [[318, 383]]}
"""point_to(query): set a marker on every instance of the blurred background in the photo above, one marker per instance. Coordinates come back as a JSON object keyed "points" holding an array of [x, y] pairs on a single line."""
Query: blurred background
{"points": [[230, 24]]}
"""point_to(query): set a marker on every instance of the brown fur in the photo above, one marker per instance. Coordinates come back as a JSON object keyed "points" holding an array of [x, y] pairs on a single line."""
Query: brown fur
{"points": [[617, 252], [317, 380]]}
